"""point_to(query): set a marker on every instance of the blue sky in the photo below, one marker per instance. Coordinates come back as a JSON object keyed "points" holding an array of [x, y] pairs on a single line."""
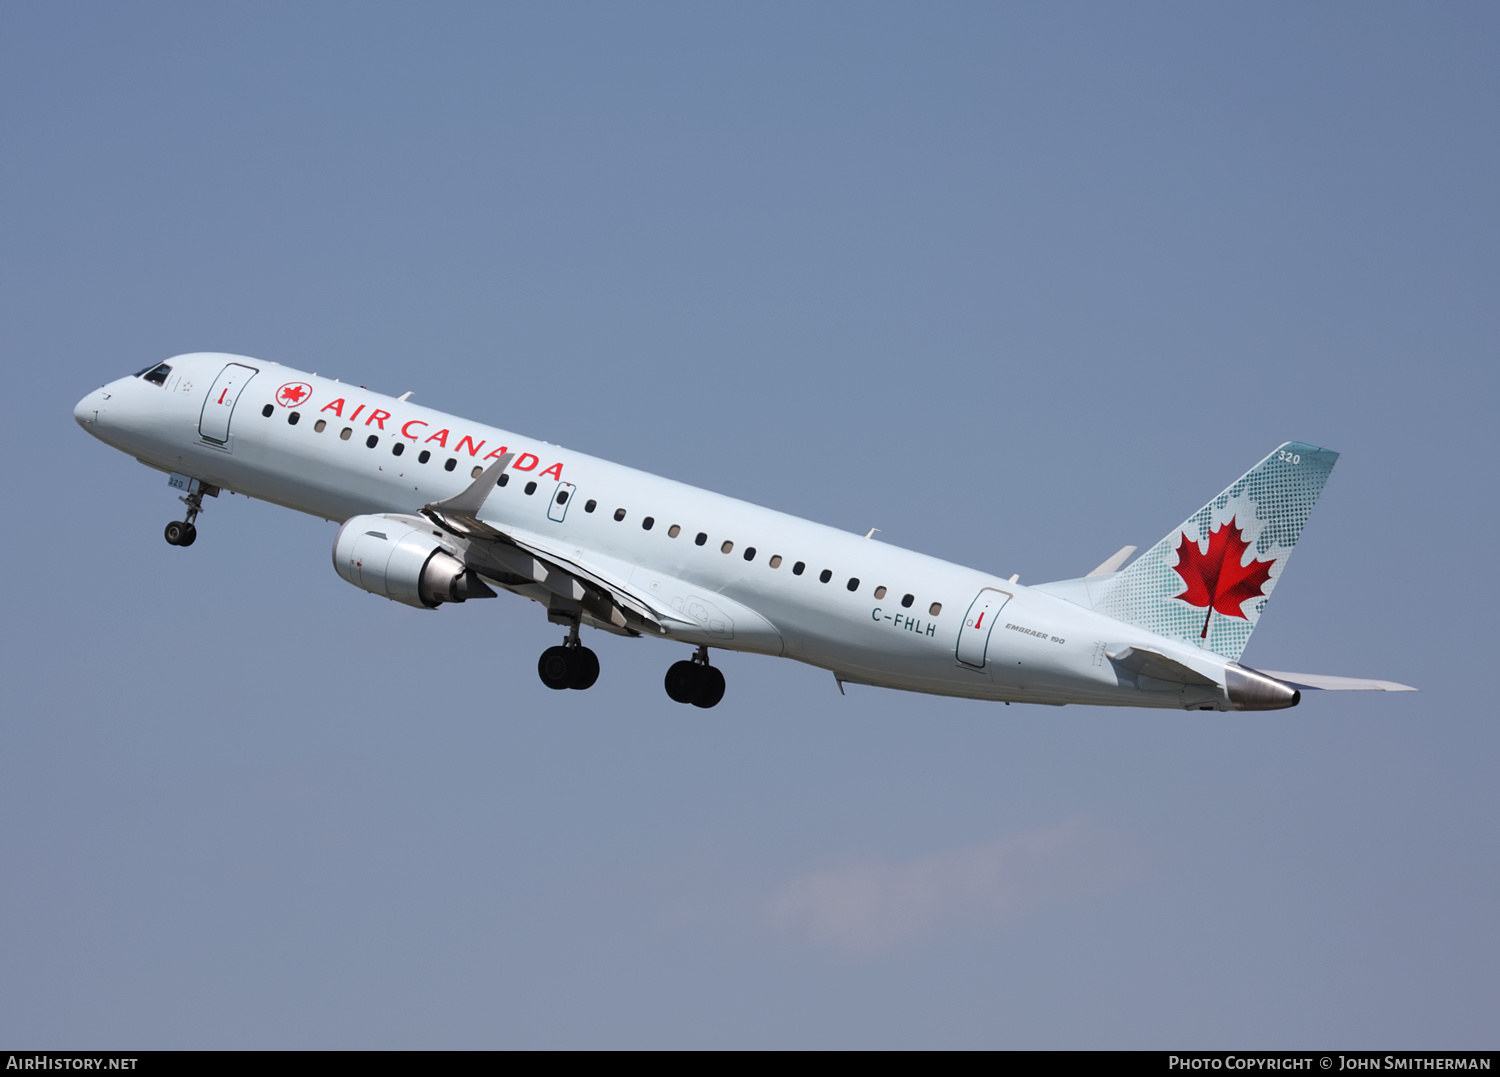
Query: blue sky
{"points": [[1015, 284]]}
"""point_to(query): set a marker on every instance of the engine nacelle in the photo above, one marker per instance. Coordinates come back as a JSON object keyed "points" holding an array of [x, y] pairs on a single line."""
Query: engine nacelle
{"points": [[400, 558]]}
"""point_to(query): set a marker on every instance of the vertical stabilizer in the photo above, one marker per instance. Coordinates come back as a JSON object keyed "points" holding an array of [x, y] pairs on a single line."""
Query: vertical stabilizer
{"points": [[1208, 581]]}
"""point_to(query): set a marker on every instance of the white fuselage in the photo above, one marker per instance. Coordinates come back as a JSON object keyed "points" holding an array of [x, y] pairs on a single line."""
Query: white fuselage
{"points": [[337, 459]]}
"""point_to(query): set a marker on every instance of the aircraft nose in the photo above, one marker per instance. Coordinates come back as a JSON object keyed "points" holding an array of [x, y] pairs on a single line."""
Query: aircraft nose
{"points": [[86, 411]]}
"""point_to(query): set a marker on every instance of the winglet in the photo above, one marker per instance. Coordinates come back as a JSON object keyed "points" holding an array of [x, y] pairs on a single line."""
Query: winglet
{"points": [[472, 499]]}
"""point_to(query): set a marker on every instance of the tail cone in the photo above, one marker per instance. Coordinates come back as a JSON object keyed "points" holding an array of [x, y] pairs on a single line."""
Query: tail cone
{"points": [[1250, 690]]}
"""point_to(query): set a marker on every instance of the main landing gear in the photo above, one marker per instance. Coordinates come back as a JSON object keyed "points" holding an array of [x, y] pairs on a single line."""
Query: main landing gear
{"points": [[570, 666], [184, 532], [695, 681]]}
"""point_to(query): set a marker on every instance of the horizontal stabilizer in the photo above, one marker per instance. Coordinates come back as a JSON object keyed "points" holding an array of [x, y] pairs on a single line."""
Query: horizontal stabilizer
{"points": [[1154, 664], [1337, 684], [1113, 563]]}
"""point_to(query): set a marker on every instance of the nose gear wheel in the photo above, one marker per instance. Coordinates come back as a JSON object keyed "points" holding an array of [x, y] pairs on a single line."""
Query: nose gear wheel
{"points": [[185, 532]]}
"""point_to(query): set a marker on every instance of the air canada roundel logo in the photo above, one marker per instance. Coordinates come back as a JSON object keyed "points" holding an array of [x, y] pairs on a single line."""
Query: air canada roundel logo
{"points": [[293, 393]]}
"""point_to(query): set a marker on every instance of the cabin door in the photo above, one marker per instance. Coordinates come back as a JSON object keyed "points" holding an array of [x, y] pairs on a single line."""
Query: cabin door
{"points": [[213, 424], [974, 636]]}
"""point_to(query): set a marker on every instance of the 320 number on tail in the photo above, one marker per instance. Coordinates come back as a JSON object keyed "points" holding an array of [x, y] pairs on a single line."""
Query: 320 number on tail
{"points": [[1284, 457]]}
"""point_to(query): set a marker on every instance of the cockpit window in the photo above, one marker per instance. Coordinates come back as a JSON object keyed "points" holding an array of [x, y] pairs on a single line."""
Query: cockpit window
{"points": [[156, 375]]}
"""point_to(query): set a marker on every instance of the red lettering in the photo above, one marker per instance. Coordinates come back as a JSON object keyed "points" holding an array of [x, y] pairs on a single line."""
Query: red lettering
{"points": [[555, 471], [355, 413], [522, 465], [473, 449], [406, 428], [336, 406], [378, 417], [441, 437], [501, 451]]}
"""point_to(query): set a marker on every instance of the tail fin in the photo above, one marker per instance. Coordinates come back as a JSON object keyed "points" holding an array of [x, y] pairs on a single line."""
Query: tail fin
{"points": [[1207, 582]]}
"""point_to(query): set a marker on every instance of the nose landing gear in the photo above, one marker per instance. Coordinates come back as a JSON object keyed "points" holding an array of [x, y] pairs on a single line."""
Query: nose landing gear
{"points": [[185, 532], [570, 666], [695, 681]]}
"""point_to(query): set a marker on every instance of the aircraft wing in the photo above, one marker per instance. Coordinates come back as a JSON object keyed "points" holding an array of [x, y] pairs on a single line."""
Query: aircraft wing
{"points": [[599, 590], [1337, 684]]}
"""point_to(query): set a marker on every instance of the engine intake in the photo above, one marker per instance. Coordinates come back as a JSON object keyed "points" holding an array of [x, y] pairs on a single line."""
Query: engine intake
{"points": [[399, 558]]}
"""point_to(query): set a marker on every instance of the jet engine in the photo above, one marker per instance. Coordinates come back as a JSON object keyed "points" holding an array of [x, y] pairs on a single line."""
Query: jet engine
{"points": [[400, 558]]}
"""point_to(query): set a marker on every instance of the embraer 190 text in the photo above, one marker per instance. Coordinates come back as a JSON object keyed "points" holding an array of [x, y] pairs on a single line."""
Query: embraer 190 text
{"points": [[435, 509]]}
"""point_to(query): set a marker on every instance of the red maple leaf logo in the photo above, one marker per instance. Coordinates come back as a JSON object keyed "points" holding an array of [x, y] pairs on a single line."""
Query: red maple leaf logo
{"points": [[1216, 579], [292, 393]]}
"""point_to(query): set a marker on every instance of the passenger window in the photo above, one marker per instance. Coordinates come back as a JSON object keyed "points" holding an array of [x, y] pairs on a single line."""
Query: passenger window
{"points": [[880, 591], [701, 539], [562, 497], [450, 463], [478, 471], [935, 609], [674, 531], [344, 433], [726, 547], [371, 441], [619, 515], [266, 411], [423, 456], [776, 560], [749, 553], [158, 375], [798, 568], [293, 418], [648, 523], [320, 426], [530, 488], [853, 583], [398, 448], [825, 575], [590, 505], [907, 600], [503, 479]]}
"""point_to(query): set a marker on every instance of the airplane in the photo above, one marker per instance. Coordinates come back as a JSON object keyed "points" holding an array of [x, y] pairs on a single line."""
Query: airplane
{"points": [[436, 509]]}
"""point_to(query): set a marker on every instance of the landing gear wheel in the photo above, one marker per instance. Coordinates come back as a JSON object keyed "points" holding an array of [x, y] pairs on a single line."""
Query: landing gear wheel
{"points": [[710, 687], [682, 681], [555, 667], [585, 668], [183, 532]]}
